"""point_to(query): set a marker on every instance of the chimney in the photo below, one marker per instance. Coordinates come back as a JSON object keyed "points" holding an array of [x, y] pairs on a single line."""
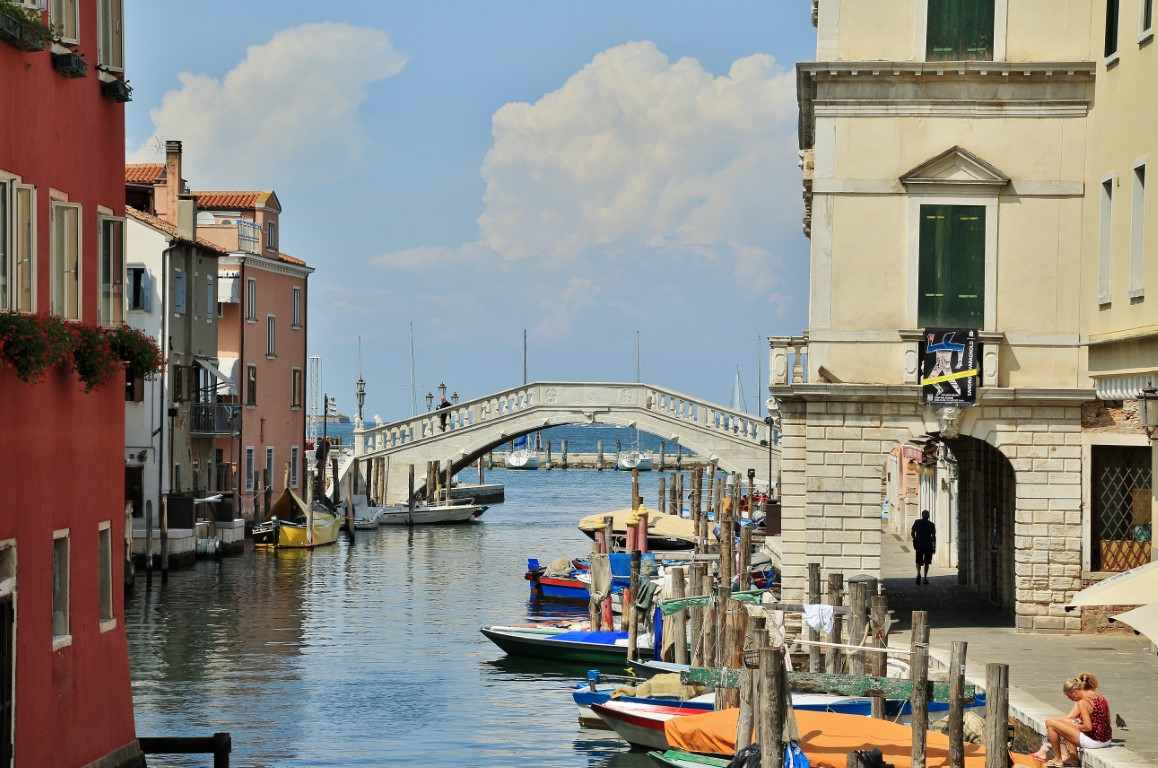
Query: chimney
{"points": [[174, 184], [186, 219]]}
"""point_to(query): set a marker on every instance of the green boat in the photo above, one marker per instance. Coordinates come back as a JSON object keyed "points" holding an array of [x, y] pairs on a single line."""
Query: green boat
{"points": [[680, 759]]}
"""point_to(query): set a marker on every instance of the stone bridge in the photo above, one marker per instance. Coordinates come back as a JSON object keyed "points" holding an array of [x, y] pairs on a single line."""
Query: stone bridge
{"points": [[475, 427]]}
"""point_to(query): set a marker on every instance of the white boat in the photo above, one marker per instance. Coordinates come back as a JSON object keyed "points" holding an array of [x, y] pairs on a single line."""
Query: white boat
{"points": [[367, 519], [424, 514], [522, 457], [634, 459]]}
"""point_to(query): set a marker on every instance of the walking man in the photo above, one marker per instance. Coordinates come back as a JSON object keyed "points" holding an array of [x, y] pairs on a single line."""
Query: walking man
{"points": [[924, 535]]}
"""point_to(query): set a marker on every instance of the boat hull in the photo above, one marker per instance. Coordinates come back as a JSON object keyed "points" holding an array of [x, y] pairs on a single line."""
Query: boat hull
{"points": [[553, 588], [436, 515], [521, 459], [555, 649], [641, 725], [294, 536]]}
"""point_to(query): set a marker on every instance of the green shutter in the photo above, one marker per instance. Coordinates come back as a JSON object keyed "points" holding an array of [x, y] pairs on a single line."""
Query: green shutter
{"points": [[951, 282], [959, 30]]}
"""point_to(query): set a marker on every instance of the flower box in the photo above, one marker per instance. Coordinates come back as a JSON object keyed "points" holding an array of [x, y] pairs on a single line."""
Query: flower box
{"points": [[19, 34], [116, 90], [70, 64]]}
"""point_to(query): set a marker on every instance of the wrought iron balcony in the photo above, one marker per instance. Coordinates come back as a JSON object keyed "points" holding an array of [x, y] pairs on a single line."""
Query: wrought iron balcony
{"points": [[212, 418]]}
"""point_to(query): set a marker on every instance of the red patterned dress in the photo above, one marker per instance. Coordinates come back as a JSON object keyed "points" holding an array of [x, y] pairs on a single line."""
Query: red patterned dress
{"points": [[1100, 720]]}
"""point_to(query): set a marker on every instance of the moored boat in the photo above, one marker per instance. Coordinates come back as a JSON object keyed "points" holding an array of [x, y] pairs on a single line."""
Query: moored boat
{"points": [[556, 581], [583, 646], [291, 523], [521, 456], [665, 533], [430, 514]]}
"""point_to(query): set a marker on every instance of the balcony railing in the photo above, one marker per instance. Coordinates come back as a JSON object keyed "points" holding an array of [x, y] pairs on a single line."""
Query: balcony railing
{"points": [[212, 418], [248, 236]]}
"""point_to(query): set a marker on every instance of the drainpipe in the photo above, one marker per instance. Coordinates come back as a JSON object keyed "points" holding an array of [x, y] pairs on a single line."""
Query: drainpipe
{"points": [[242, 386]]}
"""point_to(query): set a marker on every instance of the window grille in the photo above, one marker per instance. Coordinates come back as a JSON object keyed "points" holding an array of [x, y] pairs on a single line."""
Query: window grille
{"points": [[1121, 489]]}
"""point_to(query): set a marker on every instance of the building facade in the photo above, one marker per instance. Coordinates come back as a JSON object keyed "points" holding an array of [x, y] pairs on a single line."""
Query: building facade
{"points": [[65, 693], [944, 146], [173, 423], [262, 295]]}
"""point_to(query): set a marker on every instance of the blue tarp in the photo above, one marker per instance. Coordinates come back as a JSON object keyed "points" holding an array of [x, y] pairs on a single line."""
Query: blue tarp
{"points": [[586, 636]]}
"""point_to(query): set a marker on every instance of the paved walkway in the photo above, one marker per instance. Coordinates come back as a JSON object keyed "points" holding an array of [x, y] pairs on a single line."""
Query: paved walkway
{"points": [[1126, 665]]}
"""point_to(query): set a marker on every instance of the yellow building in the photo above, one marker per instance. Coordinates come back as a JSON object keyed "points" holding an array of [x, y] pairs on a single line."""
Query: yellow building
{"points": [[952, 151]]}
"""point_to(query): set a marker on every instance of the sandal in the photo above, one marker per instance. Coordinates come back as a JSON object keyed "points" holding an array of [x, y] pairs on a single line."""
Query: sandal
{"points": [[1039, 758]]}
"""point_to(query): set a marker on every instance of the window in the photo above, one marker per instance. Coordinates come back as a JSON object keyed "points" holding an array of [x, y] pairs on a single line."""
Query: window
{"points": [[295, 458], [297, 307], [1105, 240], [140, 289], [64, 18], [270, 336], [249, 468], [66, 260], [268, 479], [18, 246], [1138, 232], [1121, 482], [952, 267], [134, 389], [111, 50], [179, 292], [1146, 19], [251, 385], [271, 235], [60, 587], [112, 261], [1111, 28], [959, 30], [210, 300], [105, 577], [296, 388], [251, 299]]}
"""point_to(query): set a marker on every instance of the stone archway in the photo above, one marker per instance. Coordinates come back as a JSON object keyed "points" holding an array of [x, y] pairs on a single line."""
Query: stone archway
{"points": [[986, 518]]}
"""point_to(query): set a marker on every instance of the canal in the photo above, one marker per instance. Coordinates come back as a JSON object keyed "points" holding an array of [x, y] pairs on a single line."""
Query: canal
{"points": [[369, 653]]}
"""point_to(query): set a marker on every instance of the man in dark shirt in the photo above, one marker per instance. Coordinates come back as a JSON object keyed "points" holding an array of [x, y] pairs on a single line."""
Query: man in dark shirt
{"points": [[442, 416], [924, 535]]}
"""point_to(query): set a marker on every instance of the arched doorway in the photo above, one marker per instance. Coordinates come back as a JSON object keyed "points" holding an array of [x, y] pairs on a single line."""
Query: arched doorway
{"points": [[986, 509]]}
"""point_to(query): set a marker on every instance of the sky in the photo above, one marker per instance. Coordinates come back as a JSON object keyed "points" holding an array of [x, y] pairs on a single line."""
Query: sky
{"points": [[591, 173]]}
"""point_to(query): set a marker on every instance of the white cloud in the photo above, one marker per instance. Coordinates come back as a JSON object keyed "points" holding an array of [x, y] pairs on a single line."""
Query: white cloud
{"points": [[638, 156], [290, 107]]}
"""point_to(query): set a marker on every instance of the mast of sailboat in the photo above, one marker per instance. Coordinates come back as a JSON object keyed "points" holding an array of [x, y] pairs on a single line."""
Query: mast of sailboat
{"points": [[413, 386], [524, 357]]}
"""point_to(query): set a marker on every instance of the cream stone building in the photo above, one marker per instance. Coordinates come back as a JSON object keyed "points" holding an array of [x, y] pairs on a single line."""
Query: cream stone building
{"points": [[952, 158]]}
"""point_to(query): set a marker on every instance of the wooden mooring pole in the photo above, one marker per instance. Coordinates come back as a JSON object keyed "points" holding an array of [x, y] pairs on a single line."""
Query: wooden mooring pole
{"points": [[834, 598], [996, 715], [957, 704], [920, 677], [813, 599]]}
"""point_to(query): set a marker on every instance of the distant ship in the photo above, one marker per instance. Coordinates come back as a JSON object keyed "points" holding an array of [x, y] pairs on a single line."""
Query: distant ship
{"points": [[336, 418]]}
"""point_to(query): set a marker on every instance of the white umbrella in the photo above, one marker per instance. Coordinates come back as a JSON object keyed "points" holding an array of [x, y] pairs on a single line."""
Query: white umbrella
{"points": [[1137, 586], [1144, 620]]}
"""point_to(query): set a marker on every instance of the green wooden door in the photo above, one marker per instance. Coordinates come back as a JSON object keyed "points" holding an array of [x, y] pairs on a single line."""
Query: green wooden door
{"points": [[952, 267], [959, 30]]}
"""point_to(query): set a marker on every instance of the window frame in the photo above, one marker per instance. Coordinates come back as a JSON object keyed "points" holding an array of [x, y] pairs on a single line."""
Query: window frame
{"points": [[1106, 239], [62, 302], [138, 285], [106, 606], [271, 235], [251, 385], [24, 296], [61, 588], [296, 389], [111, 36], [271, 337], [295, 459], [269, 466], [1113, 47], [59, 13], [249, 468], [1145, 25], [1137, 286], [296, 314], [111, 287], [251, 299]]}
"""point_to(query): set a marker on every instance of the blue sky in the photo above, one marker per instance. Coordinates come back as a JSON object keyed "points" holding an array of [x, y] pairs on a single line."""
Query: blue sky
{"points": [[583, 171]]}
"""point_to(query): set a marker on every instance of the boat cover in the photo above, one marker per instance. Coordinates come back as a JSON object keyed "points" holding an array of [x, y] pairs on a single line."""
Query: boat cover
{"points": [[658, 524], [587, 636], [826, 737], [288, 507]]}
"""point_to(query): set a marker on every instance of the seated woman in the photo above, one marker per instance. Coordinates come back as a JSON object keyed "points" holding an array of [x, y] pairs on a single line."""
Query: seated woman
{"points": [[1087, 725]]}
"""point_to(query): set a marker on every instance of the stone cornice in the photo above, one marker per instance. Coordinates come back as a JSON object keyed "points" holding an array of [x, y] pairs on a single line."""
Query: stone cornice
{"points": [[267, 265], [845, 393]]}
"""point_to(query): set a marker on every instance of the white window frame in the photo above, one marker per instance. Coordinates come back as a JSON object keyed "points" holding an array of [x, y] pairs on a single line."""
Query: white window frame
{"points": [[61, 589], [65, 16], [271, 235], [1145, 31], [111, 291], [1112, 57], [297, 307], [23, 289], [295, 459], [251, 386], [106, 606], [269, 466], [146, 291], [271, 336], [1136, 289], [1000, 28], [1105, 238], [111, 35], [249, 468], [66, 297], [251, 299]]}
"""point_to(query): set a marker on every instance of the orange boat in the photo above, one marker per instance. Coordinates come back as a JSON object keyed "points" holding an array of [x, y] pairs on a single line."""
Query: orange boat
{"points": [[827, 738]]}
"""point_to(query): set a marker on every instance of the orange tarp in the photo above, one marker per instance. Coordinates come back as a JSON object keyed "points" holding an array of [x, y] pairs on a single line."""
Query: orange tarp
{"points": [[826, 737]]}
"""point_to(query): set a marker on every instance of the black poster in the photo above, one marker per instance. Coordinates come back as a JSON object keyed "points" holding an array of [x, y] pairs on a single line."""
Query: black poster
{"points": [[949, 366]]}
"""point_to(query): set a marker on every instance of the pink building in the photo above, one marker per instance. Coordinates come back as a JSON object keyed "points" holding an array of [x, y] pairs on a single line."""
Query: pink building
{"points": [[261, 342]]}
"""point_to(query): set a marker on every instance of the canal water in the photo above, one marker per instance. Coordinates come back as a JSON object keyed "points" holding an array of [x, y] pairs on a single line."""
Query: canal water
{"points": [[369, 653]]}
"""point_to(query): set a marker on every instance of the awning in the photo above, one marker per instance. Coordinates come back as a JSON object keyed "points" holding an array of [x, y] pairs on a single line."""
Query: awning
{"points": [[226, 380], [1122, 387]]}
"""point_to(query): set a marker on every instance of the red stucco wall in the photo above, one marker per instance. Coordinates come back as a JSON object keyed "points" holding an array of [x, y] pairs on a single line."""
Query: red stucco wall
{"points": [[61, 452]]}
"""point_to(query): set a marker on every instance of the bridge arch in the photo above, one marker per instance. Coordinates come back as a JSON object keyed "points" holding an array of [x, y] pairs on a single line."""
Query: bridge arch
{"points": [[736, 440]]}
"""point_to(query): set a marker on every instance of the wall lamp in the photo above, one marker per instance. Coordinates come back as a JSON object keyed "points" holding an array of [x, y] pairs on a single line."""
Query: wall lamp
{"points": [[1148, 410]]}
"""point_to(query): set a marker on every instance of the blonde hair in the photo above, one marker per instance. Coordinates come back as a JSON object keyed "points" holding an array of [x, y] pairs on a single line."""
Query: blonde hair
{"points": [[1085, 681]]}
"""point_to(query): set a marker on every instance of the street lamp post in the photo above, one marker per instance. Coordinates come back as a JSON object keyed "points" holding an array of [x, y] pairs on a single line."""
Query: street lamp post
{"points": [[429, 400], [454, 398], [1148, 416]]}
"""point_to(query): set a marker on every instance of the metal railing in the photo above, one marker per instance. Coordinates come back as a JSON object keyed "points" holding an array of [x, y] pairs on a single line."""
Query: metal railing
{"points": [[212, 418]]}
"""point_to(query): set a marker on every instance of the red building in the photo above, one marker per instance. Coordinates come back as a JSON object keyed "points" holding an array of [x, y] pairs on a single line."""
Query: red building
{"points": [[65, 694]]}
